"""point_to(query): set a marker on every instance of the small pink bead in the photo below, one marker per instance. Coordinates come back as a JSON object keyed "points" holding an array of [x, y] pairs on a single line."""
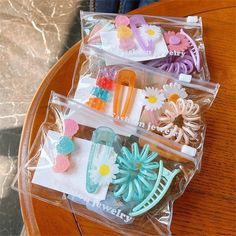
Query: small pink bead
{"points": [[121, 20], [62, 164], [71, 127]]}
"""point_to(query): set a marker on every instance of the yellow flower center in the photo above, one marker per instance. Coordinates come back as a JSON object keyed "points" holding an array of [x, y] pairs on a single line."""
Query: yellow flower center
{"points": [[104, 170], [124, 32], [152, 99], [173, 97], [150, 32]]}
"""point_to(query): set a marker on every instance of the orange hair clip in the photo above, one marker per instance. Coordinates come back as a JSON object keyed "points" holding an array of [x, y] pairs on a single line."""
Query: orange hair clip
{"points": [[124, 77]]}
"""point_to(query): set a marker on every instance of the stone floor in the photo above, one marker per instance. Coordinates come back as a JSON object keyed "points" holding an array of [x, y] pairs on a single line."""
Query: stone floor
{"points": [[33, 35]]}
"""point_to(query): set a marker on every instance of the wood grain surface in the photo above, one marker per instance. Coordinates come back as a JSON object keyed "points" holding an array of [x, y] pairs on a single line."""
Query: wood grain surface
{"points": [[208, 207]]}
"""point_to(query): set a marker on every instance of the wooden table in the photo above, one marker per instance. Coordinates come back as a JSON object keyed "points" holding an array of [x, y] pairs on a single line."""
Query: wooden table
{"points": [[208, 205]]}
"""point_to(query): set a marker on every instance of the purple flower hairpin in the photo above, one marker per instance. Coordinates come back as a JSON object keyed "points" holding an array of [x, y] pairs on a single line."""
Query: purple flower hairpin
{"points": [[139, 21]]}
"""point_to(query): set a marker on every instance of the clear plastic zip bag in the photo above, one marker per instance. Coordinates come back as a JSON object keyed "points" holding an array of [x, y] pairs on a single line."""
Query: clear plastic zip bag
{"points": [[94, 165], [171, 44], [149, 99]]}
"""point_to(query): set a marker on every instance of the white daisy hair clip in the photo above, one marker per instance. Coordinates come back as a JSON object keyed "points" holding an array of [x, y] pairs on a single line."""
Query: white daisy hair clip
{"points": [[154, 99], [150, 32], [174, 91], [104, 170], [181, 121]]}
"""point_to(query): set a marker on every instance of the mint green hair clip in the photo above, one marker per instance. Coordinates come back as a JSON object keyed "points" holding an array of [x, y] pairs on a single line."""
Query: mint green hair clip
{"points": [[102, 165], [136, 176], [160, 188]]}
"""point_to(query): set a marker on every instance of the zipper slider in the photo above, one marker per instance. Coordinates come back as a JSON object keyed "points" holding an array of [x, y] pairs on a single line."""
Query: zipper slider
{"points": [[189, 150], [192, 19], [185, 78]]}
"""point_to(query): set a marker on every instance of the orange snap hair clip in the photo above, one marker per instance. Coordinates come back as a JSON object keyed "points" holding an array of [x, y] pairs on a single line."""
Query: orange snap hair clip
{"points": [[96, 103], [125, 77]]}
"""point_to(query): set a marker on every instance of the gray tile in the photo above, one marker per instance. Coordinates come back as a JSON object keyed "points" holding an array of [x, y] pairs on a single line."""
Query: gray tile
{"points": [[33, 35], [10, 214]]}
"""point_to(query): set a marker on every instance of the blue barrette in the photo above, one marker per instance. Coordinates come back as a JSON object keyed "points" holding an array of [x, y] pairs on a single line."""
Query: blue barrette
{"points": [[101, 164]]}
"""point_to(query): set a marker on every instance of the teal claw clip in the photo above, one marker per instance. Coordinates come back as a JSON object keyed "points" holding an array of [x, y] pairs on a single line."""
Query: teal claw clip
{"points": [[102, 155], [136, 176], [160, 188]]}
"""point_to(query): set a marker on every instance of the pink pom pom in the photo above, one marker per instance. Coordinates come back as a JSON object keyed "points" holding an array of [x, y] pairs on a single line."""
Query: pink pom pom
{"points": [[71, 127], [62, 164], [121, 20]]}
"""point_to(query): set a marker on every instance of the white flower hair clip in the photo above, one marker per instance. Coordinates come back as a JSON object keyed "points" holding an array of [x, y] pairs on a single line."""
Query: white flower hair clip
{"points": [[150, 32], [104, 170], [174, 91], [154, 98]]}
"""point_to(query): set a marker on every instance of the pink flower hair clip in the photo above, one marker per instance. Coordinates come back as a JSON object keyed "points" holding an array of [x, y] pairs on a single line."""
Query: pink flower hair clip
{"points": [[176, 41], [180, 121], [180, 42]]}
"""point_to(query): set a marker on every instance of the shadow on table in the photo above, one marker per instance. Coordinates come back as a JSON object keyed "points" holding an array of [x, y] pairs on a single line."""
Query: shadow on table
{"points": [[11, 221]]}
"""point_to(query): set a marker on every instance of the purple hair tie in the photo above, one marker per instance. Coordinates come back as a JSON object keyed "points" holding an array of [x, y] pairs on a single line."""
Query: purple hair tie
{"points": [[174, 64], [138, 21]]}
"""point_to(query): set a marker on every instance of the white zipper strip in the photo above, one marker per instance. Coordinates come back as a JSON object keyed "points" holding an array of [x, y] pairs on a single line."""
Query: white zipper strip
{"points": [[171, 20], [198, 84], [132, 130]]}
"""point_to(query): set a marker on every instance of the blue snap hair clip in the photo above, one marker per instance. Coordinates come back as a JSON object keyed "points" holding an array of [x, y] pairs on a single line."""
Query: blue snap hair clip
{"points": [[102, 165], [101, 93], [160, 188], [65, 146], [136, 175]]}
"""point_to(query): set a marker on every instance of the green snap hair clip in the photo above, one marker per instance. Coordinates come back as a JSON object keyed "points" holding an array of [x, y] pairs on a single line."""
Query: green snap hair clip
{"points": [[136, 175], [102, 165], [160, 188]]}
